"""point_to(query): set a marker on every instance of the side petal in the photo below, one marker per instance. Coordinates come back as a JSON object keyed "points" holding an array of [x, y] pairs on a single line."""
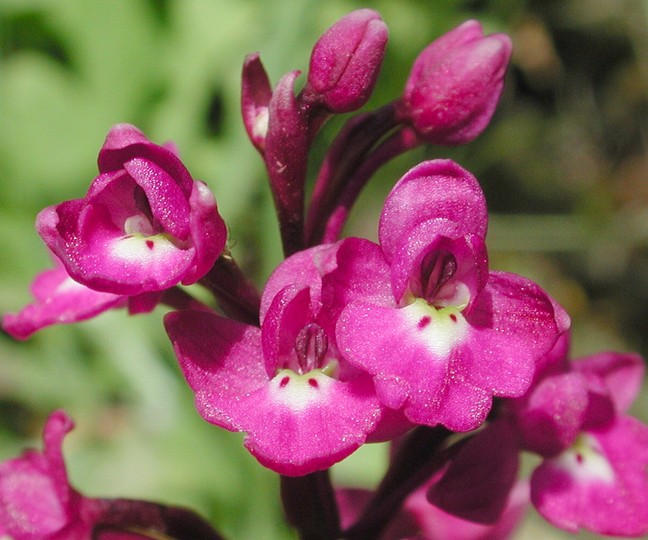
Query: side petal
{"points": [[302, 269], [208, 232], [621, 373], [361, 273], [221, 360], [288, 314], [35, 497], [512, 326], [551, 416], [58, 300], [169, 205]]}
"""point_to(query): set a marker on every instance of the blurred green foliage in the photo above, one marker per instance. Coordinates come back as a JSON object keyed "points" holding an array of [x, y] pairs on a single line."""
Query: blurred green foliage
{"points": [[564, 166]]}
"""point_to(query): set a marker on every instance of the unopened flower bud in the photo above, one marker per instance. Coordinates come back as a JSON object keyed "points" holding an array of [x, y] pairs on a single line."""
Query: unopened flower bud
{"points": [[255, 98], [455, 85], [345, 62]]}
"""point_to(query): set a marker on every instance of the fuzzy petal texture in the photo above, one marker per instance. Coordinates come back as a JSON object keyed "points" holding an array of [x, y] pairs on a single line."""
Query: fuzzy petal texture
{"points": [[36, 501], [145, 225], [303, 269], [442, 366], [550, 418], [600, 483], [432, 190], [346, 60], [435, 248], [455, 85], [295, 424]]}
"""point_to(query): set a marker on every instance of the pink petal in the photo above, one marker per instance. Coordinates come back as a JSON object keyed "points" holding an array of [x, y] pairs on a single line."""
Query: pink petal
{"points": [[303, 269], [221, 360], [288, 314], [600, 484], [621, 373], [550, 418], [58, 300], [35, 498], [432, 190], [297, 425], [208, 232], [361, 274], [169, 205], [125, 142], [441, 236], [413, 355], [512, 326]]}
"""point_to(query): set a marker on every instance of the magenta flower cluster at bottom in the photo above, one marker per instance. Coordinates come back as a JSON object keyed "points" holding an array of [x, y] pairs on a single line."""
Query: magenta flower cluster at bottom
{"points": [[412, 339]]}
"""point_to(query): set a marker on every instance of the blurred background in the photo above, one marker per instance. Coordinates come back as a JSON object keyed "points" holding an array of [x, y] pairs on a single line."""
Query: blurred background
{"points": [[564, 166]]}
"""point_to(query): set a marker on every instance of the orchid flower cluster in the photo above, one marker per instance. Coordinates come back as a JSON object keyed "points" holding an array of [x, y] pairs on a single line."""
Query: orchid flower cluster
{"points": [[413, 339]]}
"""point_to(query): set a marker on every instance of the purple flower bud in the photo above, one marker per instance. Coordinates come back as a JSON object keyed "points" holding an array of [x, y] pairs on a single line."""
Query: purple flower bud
{"points": [[345, 62], [455, 85], [255, 98]]}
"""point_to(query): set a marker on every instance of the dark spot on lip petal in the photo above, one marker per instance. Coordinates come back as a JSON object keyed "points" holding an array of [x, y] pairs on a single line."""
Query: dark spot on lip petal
{"points": [[284, 382], [150, 244], [453, 317], [425, 321], [313, 383]]}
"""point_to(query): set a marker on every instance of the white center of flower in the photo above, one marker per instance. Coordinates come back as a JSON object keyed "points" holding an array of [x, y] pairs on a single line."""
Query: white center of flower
{"points": [[142, 248], [441, 330], [299, 391], [586, 461]]}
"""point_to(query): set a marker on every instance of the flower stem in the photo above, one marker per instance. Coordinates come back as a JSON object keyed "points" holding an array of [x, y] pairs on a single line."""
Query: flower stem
{"points": [[309, 504], [418, 457], [398, 143], [236, 295], [358, 136]]}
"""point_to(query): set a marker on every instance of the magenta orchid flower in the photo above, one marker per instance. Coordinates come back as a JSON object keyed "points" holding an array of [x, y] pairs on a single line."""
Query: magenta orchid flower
{"points": [[455, 85], [144, 225], [439, 333], [595, 471], [285, 385], [37, 502]]}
